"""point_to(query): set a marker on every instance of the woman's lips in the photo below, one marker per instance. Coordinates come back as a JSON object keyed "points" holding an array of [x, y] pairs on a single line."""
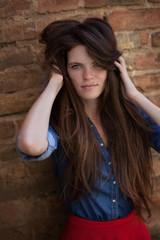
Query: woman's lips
{"points": [[89, 86]]}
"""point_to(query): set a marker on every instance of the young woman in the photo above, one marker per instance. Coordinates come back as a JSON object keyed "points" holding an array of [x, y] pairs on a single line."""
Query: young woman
{"points": [[98, 128]]}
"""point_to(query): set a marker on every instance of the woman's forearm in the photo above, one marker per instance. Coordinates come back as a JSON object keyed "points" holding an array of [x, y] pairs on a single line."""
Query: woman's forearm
{"points": [[32, 136], [148, 107]]}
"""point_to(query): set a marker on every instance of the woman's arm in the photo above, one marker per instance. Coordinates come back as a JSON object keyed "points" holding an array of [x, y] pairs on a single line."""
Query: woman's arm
{"points": [[135, 96], [32, 136]]}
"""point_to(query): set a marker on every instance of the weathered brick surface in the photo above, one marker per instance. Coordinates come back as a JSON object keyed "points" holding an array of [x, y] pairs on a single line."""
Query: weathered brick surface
{"points": [[30, 208], [53, 5], [147, 81], [17, 102], [17, 31], [109, 3], [132, 40], [13, 56], [12, 171], [155, 99], [41, 23], [12, 233], [144, 61], [94, 3], [18, 187], [9, 8], [20, 79], [156, 194], [156, 39], [8, 152], [136, 19], [8, 212], [7, 128], [154, 223], [154, 1]]}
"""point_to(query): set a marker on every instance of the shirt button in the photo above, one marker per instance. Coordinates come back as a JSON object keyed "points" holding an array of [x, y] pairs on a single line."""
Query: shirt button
{"points": [[114, 182], [109, 163], [101, 144], [114, 200]]}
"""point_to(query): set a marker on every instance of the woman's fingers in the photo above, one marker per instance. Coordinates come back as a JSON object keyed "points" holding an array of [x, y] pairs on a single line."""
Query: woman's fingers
{"points": [[121, 64]]}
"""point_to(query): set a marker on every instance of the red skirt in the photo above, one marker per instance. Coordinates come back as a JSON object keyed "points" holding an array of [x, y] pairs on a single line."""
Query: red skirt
{"points": [[128, 228]]}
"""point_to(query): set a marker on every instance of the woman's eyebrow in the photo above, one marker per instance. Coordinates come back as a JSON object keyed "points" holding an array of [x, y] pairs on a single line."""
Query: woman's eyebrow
{"points": [[72, 63], [79, 63]]}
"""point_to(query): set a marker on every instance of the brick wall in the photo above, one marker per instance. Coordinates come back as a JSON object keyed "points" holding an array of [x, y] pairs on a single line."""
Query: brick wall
{"points": [[29, 204]]}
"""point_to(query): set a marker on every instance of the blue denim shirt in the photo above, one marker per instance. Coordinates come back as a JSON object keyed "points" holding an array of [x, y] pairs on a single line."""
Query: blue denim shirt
{"points": [[110, 203]]}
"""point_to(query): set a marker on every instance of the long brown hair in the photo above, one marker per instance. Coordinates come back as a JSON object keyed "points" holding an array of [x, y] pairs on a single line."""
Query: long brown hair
{"points": [[125, 128]]}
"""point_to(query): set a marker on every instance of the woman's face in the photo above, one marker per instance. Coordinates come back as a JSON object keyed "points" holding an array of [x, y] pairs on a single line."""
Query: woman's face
{"points": [[87, 76]]}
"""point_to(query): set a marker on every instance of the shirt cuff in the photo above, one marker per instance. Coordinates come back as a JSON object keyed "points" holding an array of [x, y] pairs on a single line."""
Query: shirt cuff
{"points": [[52, 139]]}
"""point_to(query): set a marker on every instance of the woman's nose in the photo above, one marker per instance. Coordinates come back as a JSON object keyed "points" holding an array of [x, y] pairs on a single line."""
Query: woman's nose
{"points": [[87, 74]]}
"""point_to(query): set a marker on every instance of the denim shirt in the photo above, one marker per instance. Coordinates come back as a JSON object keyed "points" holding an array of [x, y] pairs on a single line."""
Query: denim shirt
{"points": [[110, 203]]}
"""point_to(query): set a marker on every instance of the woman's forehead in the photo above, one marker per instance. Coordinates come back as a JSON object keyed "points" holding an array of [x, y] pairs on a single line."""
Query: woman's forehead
{"points": [[79, 53]]}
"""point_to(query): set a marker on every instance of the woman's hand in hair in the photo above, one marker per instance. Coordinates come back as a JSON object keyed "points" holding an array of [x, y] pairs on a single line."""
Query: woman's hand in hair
{"points": [[135, 96], [56, 81], [129, 88], [32, 136]]}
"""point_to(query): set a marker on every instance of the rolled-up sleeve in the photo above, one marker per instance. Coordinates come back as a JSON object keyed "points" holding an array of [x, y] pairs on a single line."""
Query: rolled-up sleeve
{"points": [[52, 139]]}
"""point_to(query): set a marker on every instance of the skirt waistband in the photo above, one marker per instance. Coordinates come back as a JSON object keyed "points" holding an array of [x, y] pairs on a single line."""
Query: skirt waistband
{"points": [[130, 227], [74, 220]]}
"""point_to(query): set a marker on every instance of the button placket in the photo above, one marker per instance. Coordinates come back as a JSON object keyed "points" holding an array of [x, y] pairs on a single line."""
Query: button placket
{"points": [[114, 199]]}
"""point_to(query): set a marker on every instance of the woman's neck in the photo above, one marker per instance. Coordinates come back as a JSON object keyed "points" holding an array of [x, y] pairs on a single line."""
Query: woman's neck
{"points": [[92, 111]]}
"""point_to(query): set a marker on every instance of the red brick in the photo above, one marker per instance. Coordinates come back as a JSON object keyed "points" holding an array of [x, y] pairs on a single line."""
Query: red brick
{"points": [[8, 152], [39, 56], [124, 3], [156, 39], [12, 171], [43, 168], [41, 23], [17, 31], [144, 37], [7, 128], [154, 1], [21, 79], [109, 3], [12, 233], [8, 212], [13, 56], [27, 187], [18, 102], [136, 19], [144, 61], [154, 224], [148, 81], [53, 5], [157, 172], [131, 40], [47, 216], [12, 7], [94, 3], [51, 222], [156, 189], [155, 155], [26, 207], [155, 99]]}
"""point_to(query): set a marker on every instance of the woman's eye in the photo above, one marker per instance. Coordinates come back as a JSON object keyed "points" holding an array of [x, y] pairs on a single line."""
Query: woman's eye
{"points": [[76, 66], [96, 65]]}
